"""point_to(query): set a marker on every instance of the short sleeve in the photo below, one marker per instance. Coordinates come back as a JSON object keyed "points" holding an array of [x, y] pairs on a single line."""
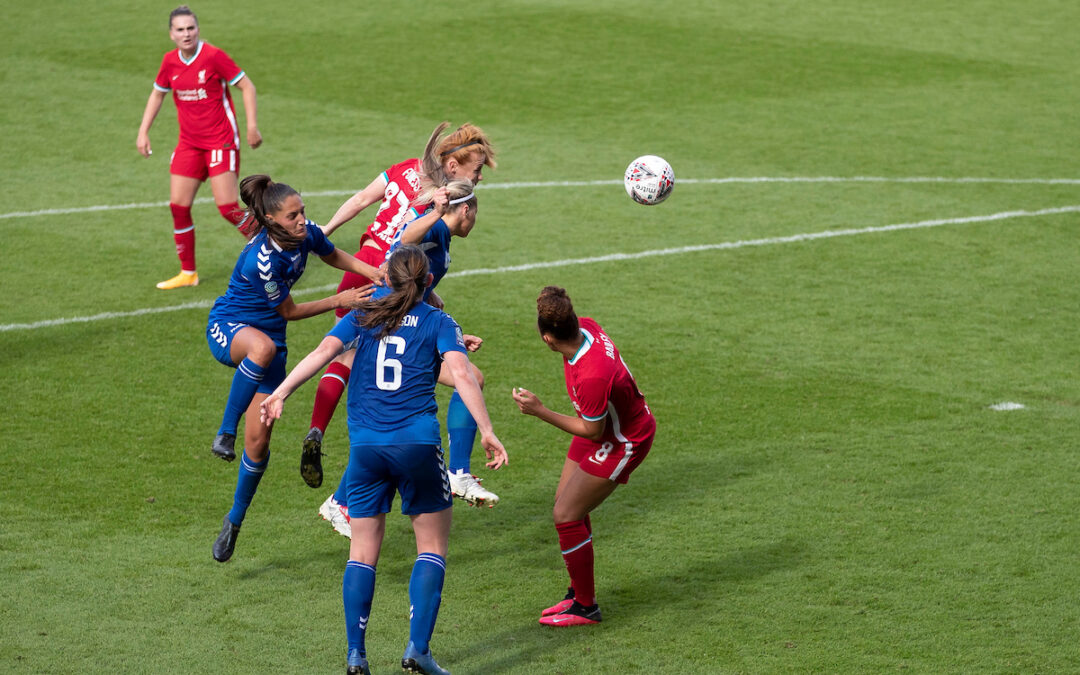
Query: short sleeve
{"points": [[439, 234], [592, 398], [226, 67], [320, 245], [161, 82], [347, 329], [450, 338]]}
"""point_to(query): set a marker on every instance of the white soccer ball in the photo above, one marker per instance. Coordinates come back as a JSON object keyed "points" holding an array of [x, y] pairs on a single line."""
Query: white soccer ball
{"points": [[649, 180]]}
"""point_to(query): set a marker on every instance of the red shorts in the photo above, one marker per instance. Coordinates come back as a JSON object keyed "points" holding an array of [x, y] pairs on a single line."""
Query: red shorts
{"points": [[372, 256], [202, 164], [614, 461]]}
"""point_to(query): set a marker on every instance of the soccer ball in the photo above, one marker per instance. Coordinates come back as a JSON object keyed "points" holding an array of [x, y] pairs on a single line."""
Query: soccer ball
{"points": [[649, 180]]}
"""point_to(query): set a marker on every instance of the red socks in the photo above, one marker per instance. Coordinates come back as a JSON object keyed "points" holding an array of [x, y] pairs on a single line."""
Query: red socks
{"points": [[331, 386], [575, 541], [184, 236], [232, 213]]}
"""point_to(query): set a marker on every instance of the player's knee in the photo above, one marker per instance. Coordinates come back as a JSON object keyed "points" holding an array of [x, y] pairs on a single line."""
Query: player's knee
{"points": [[262, 352], [561, 514]]}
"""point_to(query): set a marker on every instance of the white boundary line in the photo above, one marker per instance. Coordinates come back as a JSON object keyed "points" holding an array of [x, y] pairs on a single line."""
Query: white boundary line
{"points": [[812, 236], [593, 183]]}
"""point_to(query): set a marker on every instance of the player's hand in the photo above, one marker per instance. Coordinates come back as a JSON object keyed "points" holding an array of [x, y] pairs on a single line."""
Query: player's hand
{"points": [[270, 409], [440, 200], [472, 342], [495, 452], [354, 297], [142, 144], [527, 401], [254, 138]]}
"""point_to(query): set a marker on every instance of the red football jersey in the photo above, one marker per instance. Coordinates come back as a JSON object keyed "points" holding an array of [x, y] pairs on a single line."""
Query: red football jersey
{"points": [[200, 90], [600, 385], [402, 186]]}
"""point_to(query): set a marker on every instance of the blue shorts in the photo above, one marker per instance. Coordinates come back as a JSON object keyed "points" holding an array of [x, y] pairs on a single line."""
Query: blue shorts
{"points": [[375, 472], [219, 335]]}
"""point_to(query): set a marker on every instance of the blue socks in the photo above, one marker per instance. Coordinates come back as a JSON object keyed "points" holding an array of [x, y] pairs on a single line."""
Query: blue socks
{"points": [[357, 589], [425, 595], [247, 482], [244, 385], [461, 428]]}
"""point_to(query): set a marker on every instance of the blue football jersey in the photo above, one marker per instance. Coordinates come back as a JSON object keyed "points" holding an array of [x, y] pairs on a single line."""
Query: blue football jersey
{"points": [[435, 245], [262, 279], [391, 395]]}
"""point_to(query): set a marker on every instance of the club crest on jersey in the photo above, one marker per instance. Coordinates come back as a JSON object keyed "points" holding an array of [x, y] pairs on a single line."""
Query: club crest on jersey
{"points": [[270, 287], [202, 76]]}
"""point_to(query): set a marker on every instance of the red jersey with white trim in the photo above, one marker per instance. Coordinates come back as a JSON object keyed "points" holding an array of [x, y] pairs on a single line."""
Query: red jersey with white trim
{"points": [[200, 90], [402, 186], [600, 385]]}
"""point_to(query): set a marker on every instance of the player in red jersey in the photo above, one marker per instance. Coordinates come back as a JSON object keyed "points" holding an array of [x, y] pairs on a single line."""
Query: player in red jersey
{"points": [[460, 155], [198, 75], [613, 432]]}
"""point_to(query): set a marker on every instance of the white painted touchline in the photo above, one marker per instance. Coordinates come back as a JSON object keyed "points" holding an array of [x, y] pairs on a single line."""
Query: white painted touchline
{"points": [[826, 234], [591, 183], [1008, 405]]}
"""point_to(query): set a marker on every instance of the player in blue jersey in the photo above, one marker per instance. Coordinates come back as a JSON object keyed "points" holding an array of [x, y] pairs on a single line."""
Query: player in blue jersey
{"points": [[453, 215], [246, 328], [402, 344]]}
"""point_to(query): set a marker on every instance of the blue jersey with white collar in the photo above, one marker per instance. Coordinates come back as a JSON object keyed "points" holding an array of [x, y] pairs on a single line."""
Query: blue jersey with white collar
{"points": [[262, 279], [435, 245]]}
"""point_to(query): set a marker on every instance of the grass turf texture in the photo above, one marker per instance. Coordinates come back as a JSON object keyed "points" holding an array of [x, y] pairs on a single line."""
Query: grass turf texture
{"points": [[829, 491]]}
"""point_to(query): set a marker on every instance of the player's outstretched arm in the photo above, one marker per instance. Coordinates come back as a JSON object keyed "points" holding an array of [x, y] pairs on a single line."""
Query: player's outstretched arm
{"points": [[473, 398], [529, 404], [347, 263], [355, 204], [153, 107], [271, 407], [351, 298]]}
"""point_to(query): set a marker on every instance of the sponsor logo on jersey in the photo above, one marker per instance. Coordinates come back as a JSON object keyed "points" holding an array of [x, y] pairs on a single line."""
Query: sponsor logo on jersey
{"points": [[191, 94], [414, 179]]}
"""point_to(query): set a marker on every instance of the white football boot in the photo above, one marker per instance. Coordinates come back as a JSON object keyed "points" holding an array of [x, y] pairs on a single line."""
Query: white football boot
{"points": [[338, 516], [466, 486]]}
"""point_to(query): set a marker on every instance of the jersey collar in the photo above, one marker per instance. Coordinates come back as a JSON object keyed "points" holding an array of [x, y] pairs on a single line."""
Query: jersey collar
{"points": [[188, 62], [584, 346]]}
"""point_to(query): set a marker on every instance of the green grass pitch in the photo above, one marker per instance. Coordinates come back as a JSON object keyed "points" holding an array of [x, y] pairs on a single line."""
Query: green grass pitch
{"points": [[830, 490]]}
